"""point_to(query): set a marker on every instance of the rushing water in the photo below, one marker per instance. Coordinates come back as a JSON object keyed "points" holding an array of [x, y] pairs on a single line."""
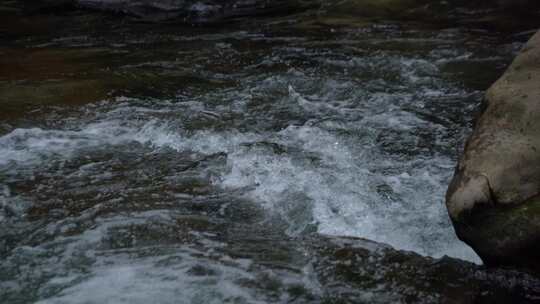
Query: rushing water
{"points": [[197, 181]]}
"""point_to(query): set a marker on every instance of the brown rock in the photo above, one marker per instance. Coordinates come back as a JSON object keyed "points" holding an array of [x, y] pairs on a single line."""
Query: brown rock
{"points": [[494, 197]]}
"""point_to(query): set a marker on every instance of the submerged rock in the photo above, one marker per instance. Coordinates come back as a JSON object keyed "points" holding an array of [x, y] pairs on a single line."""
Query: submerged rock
{"points": [[354, 270], [494, 197]]}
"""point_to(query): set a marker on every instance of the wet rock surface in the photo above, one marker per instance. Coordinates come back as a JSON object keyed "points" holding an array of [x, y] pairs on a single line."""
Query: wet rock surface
{"points": [[355, 269]]}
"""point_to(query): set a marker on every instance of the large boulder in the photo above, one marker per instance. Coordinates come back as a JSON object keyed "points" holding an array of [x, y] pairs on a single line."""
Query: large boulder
{"points": [[494, 197]]}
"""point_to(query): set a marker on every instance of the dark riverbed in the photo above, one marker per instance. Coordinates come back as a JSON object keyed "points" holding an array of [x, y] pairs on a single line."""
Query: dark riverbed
{"points": [[225, 163]]}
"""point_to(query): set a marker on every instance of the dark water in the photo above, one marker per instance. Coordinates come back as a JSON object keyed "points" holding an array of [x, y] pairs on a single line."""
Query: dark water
{"points": [[222, 164]]}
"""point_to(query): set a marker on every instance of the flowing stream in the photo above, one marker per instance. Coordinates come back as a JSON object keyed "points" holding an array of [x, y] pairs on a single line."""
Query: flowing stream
{"points": [[217, 150]]}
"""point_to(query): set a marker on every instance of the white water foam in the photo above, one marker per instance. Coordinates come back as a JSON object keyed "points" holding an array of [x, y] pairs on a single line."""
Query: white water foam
{"points": [[340, 184], [180, 273]]}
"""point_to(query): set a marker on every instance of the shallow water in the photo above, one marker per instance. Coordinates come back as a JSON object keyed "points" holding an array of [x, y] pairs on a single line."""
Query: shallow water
{"points": [[216, 152]]}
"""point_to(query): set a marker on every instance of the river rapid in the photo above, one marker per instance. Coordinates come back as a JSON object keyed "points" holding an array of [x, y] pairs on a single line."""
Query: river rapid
{"points": [[210, 164]]}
